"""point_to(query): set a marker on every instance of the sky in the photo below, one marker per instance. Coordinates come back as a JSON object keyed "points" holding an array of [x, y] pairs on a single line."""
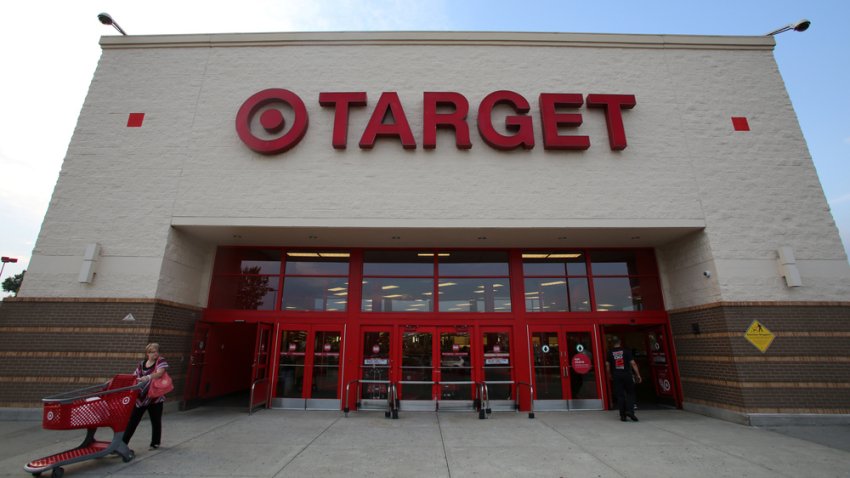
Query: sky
{"points": [[49, 51]]}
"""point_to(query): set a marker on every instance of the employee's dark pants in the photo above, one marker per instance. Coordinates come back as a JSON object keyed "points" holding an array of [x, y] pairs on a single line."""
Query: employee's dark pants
{"points": [[624, 390], [155, 413]]}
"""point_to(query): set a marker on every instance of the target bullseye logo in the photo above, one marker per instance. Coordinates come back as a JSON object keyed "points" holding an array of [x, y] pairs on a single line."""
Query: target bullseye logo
{"points": [[50, 415], [125, 400], [272, 120]]}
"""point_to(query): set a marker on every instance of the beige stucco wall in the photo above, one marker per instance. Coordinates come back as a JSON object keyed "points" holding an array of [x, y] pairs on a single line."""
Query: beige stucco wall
{"points": [[685, 168]]}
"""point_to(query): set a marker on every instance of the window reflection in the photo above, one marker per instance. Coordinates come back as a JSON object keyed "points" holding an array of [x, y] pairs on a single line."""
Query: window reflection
{"points": [[316, 263], [473, 263], [474, 295], [553, 294], [250, 292], [398, 295], [328, 294], [569, 263], [617, 294], [237, 260], [613, 263], [398, 263]]}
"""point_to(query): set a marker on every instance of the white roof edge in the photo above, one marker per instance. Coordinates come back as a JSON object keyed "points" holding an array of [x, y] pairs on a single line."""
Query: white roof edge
{"points": [[439, 38]]}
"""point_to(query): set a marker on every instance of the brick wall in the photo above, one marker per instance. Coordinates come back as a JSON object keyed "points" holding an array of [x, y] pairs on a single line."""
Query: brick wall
{"points": [[54, 346], [806, 369]]}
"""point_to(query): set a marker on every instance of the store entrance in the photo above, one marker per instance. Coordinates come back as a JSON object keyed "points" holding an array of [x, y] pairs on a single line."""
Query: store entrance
{"points": [[436, 367], [651, 351], [566, 375], [309, 372]]}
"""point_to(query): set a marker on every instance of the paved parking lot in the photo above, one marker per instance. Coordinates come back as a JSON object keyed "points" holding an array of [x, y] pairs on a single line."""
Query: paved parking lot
{"points": [[219, 442]]}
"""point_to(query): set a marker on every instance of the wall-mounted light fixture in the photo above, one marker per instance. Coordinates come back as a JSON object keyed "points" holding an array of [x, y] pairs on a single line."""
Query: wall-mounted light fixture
{"points": [[90, 257], [788, 267]]}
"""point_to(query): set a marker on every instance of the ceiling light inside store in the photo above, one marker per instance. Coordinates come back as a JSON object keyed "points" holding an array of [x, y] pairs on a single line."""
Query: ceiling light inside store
{"points": [[547, 284]]}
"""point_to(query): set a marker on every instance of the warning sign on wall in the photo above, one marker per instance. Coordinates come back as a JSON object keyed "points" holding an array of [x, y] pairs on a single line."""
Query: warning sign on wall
{"points": [[759, 336]]}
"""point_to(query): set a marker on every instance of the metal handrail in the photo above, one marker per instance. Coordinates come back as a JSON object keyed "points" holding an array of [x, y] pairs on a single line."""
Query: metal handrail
{"points": [[530, 398], [391, 390], [392, 401], [483, 400], [251, 406]]}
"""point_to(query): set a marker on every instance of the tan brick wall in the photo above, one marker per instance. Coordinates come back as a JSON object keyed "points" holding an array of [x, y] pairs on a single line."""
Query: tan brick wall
{"points": [[806, 369], [49, 347]]}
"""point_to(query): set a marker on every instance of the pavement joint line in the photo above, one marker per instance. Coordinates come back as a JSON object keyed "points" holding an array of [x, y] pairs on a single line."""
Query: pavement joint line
{"points": [[162, 450], [709, 445], [583, 449], [304, 448], [443, 442]]}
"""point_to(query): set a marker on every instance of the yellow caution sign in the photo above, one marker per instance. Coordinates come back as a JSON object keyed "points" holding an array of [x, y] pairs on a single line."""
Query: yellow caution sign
{"points": [[759, 336]]}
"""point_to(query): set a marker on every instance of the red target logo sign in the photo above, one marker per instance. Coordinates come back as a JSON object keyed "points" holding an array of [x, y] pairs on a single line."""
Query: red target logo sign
{"points": [[272, 120]]}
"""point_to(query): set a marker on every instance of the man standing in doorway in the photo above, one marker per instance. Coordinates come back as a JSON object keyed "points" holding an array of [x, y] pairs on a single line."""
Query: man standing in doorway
{"points": [[619, 366]]}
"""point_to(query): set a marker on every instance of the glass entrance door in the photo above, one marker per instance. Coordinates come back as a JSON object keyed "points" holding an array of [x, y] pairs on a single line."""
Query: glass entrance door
{"points": [[375, 366], [566, 376], [309, 368], [417, 373], [455, 372], [435, 366], [497, 367]]}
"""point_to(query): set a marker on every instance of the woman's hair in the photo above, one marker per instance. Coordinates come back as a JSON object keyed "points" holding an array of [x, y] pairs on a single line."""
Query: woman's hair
{"points": [[152, 347]]}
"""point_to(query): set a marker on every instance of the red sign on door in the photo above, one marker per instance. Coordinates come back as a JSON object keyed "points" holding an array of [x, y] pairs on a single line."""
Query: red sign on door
{"points": [[376, 349], [327, 347], [582, 363]]}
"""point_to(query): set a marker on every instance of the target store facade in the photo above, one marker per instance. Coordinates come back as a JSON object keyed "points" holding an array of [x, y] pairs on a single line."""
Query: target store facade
{"points": [[318, 220]]}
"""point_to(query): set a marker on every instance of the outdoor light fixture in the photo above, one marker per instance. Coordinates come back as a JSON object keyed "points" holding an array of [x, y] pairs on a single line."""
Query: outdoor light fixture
{"points": [[107, 20], [800, 26], [7, 260]]}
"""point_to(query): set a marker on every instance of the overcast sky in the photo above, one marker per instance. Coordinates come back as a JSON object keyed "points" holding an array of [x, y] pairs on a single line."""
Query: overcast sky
{"points": [[50, 51]]}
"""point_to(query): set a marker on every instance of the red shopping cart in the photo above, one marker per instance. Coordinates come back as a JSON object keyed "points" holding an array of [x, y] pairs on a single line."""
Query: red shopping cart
{"points": [[106, 405]]}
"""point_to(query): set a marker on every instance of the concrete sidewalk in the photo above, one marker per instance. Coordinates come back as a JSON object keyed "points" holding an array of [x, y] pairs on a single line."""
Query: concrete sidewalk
{"points": [[227, 442]]}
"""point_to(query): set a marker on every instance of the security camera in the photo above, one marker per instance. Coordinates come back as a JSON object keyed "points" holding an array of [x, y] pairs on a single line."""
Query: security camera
{"points": [[707, 274]]}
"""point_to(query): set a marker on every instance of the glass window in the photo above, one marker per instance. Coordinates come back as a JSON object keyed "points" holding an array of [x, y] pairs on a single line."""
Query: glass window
{"points": [[617, 293], [254, 292], [475, 295], [398, 263], [317, 263], [613, 263], [546, 295], [570, 263], [237, 260], [557, 294], [398, 295], [328, 294], [473, 263]]}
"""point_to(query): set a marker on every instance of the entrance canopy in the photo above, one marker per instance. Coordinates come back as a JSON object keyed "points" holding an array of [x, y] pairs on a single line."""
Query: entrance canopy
{"points": [[419, 233]]}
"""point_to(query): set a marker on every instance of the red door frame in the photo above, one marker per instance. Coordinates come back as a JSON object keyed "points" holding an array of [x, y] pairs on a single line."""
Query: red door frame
{"points": [[309, 354], [478, 356], [262, 365], [197, 360], [563, 358], [645, 326]]}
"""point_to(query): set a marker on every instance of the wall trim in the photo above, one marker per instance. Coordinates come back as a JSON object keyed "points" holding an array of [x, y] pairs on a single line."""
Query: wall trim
{"points": [[778, 303], [105, 300]]}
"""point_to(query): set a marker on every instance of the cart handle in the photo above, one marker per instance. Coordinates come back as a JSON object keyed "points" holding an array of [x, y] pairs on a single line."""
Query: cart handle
{"points": [[93, 391]]}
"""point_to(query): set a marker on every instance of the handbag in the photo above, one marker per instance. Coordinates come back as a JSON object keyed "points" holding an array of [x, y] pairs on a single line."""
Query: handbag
{"points": [[160, 386]]}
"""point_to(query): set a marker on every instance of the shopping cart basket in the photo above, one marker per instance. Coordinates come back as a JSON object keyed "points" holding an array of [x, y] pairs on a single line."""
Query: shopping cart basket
{"points": [[106, 405]]}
